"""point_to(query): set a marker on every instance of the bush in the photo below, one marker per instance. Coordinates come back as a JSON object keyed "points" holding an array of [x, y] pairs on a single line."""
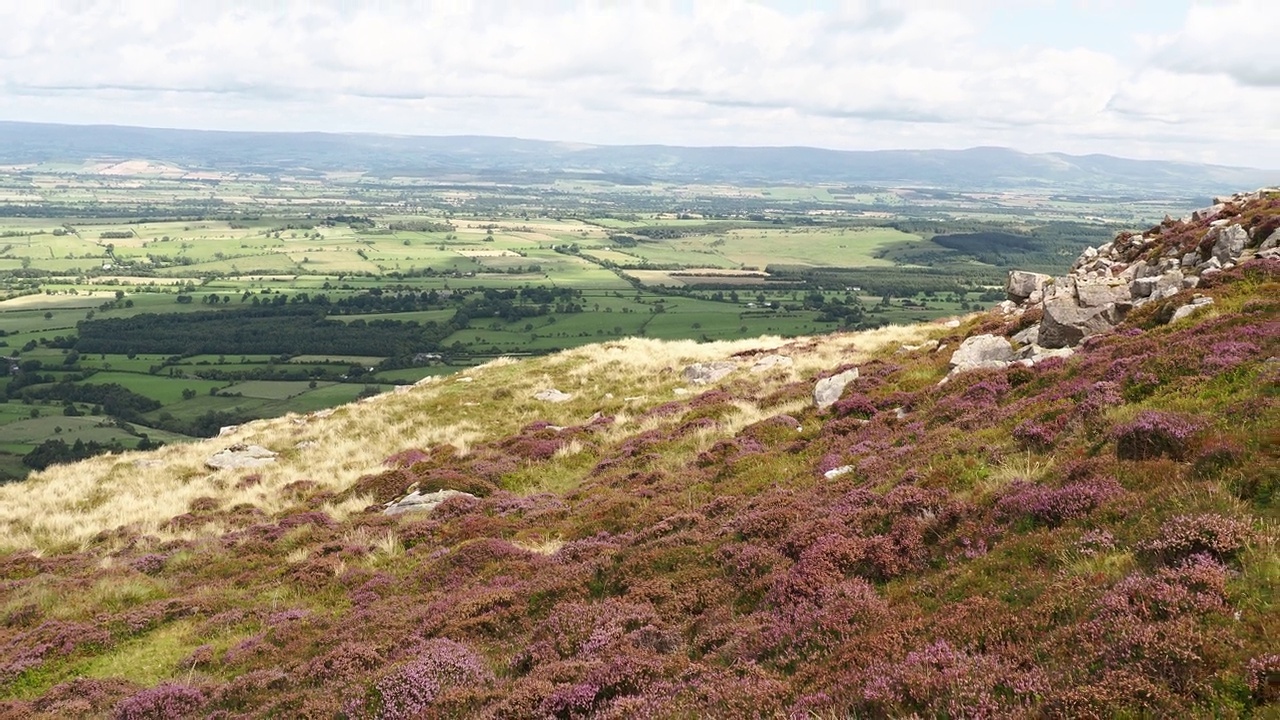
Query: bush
{"points": [[1210, 534], [167, 701], [1154, 434]]}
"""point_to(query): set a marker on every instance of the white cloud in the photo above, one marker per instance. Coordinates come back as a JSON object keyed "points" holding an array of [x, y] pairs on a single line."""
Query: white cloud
{"points": [[865, 75]]}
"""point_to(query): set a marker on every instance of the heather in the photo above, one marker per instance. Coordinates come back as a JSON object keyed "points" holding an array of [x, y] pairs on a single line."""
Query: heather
{"points": [[1091, 536]]}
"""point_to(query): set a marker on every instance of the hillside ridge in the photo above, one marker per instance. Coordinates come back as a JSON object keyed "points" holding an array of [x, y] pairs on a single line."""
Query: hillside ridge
{"points": [[972, 518], [524, 160]]}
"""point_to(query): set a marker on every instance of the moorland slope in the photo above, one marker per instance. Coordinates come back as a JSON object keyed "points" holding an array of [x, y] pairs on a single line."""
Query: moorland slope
{"points": [[648, 529]]}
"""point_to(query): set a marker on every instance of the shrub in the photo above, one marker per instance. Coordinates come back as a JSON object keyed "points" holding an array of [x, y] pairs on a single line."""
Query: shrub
{"points": [[167, 701], [1154, 434], [1263, 676], [409, 690], [1209, 534], [941, 681], [1054, 506]]}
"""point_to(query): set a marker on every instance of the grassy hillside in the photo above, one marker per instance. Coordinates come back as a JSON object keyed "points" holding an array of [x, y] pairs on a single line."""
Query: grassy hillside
{"points": [[1089, 537]]}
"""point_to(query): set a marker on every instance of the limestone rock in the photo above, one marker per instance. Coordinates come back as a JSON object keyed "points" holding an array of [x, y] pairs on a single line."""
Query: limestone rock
{"points": [[422, 502], [982, 351], [837, 472], [241, 456], [552, 395], [1022, 285], [704, 373], [828, 390]]}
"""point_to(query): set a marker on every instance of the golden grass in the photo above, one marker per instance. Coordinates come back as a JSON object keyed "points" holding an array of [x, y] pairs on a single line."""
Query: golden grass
{"points": [[67, 505]]}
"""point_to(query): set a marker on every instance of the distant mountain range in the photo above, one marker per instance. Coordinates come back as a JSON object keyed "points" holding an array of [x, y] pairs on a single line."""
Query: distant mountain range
{"points": [[530, 161]]}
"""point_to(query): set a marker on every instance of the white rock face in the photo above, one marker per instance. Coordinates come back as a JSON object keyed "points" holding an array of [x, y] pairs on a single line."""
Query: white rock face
{"points": [[552, 395], [827, 390]]}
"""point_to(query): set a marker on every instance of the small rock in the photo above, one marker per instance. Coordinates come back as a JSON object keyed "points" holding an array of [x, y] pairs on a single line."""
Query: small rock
{"points": [[426, 502], [768, 362], [465, 378], [1272, 241], [241, 456], [1029, 336], [837, 472], [1189, 309], [828, 390], [981, 351], [705, 373], [552, 395], [1021, 284], [227, 430]]}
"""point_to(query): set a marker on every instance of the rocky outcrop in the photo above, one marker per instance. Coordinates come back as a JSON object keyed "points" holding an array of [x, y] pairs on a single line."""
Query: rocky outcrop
{"points": [[828, 390], [552, 395], [709, 372], [1109, 281]]}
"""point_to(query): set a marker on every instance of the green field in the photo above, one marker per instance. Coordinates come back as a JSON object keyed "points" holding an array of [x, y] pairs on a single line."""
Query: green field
{"points": [[402, 279]]}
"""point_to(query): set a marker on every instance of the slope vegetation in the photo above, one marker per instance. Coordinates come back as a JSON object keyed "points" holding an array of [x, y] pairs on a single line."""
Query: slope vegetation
{"points": [[1088, 536]]}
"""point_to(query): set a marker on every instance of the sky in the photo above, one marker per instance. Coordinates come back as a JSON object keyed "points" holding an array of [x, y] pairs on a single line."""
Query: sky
{"points": [[1167, 79]]}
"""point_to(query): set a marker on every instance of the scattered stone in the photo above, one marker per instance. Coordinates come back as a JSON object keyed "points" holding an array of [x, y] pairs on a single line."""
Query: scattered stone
{"points": [[148, 463], [680, 391], [227, 430], [241, 455], [769, 362], [706, 373], [981, 351], [465, 378], [828, 390], [552, 395], [422, 502], [837, 472], [952, 324]]}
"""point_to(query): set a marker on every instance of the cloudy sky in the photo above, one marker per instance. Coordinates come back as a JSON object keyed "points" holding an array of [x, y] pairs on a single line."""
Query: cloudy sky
{"points": [[1181, 79]]}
